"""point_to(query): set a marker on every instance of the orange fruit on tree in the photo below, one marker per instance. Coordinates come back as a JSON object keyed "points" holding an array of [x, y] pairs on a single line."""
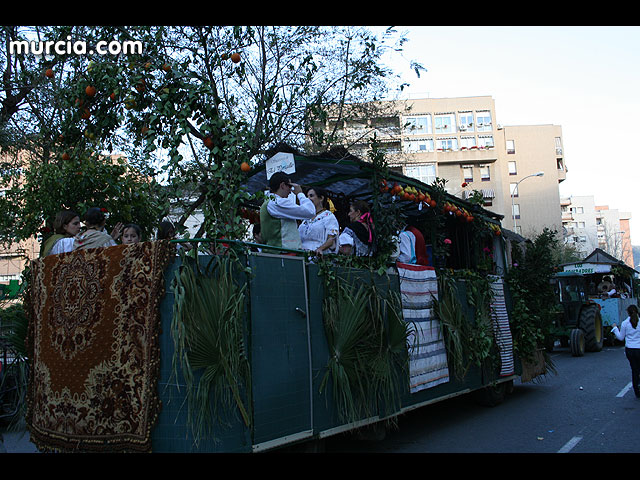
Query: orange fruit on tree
{"points": [[166, 67], [49, 73], [245, 167], [86, 114], [235, 57], [90, 91], [65, 156], [208, 142]]}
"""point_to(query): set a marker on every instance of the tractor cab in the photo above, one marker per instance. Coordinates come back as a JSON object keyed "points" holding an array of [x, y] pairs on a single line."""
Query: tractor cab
{"points": [[571, 293]]}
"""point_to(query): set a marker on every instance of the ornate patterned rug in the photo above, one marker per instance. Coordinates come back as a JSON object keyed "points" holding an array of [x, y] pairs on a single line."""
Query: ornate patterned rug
{"points": [[93, 341]]}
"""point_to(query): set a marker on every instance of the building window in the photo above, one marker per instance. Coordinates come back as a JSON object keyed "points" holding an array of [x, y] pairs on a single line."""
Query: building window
{"points": [[422, 145], [483, 123], [467, 143], [418, 125], [558, 146], [511, 146], [445, 123], [447, 144], [560, 164], [515, 211], [485, 174], [467, 173], [485, 141], [465, 121], [512, 168], [513, 190], [425, 173]]}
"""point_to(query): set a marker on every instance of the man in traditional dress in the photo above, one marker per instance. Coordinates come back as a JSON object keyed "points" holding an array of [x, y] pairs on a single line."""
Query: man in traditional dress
{"points": [[280, 211]]}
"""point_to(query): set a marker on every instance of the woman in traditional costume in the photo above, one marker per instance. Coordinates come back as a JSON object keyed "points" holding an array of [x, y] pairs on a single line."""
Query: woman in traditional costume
{"points": [[319, 234], [361, 228], [65, 227], [94, 236]]}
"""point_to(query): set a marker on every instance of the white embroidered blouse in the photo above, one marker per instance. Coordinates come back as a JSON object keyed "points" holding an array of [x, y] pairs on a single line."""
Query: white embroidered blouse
{"points": [[314, 232]]}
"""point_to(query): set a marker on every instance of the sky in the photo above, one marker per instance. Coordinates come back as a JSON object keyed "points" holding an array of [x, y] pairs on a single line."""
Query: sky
{"points": [[583, 78]]}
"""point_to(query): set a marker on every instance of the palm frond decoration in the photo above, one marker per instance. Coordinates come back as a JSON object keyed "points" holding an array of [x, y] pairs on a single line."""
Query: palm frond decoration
{"points": [[209, 339], [367, 339], [456, 327], [347, 331], [391, 364]]}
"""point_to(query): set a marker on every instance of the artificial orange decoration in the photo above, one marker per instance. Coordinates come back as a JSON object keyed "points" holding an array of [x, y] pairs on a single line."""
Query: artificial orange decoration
{"points": [[49, 73], [245, 167], [235, 57], [90, 91]]}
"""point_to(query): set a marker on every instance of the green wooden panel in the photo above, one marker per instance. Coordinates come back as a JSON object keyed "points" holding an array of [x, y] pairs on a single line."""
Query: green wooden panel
{"points": [[172, 434], [280, 356]]}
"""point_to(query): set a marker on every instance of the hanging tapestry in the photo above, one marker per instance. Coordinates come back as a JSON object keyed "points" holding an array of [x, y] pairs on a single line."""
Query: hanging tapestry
{"points": [[501, 328], [93, 342], [427, 353]]}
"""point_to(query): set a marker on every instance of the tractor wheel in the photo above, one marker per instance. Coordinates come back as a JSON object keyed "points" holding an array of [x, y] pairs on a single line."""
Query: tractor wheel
{"points": [[576, 342], [591, 323]]}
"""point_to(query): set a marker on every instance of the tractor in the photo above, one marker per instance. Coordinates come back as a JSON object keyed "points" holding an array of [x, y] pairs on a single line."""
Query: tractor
{"points": [[578, 323]]}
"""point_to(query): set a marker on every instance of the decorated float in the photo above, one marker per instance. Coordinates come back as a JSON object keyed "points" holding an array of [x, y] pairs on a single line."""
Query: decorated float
{"points": [[230, 349]]}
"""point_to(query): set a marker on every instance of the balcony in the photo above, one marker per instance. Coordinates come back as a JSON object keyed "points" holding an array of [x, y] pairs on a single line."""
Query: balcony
{"points": [[461, 155]]}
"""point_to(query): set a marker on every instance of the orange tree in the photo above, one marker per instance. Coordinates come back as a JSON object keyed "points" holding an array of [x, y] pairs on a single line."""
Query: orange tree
{"points": [[52, 153], [196, 107]]}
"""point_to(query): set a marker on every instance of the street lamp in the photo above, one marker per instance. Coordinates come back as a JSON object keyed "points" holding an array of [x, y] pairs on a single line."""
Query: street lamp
{"points": [[515, 189]]}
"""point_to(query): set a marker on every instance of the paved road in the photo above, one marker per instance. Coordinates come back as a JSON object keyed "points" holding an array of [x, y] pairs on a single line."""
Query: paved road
{"points": [[588, 407]]}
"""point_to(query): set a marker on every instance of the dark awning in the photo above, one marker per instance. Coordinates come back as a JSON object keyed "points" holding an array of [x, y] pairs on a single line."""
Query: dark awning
{"points": [[344, 174]]}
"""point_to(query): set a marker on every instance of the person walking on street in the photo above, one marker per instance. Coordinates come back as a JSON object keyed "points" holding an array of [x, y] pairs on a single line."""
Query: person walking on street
{"points": [[630, 333]]}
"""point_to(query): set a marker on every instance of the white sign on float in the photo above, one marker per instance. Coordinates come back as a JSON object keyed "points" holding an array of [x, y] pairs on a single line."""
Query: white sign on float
{"points": [[280, 162], [588, 268]]}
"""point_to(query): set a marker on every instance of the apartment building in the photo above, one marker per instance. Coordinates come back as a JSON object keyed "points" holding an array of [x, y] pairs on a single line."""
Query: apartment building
{"points": [[588, 226], [459, 139], [14, 259]]}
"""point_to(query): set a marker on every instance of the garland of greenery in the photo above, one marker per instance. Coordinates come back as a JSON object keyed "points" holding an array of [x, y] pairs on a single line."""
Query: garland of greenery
{"points": [[208, 333], [534, 301], [467, 343]]}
